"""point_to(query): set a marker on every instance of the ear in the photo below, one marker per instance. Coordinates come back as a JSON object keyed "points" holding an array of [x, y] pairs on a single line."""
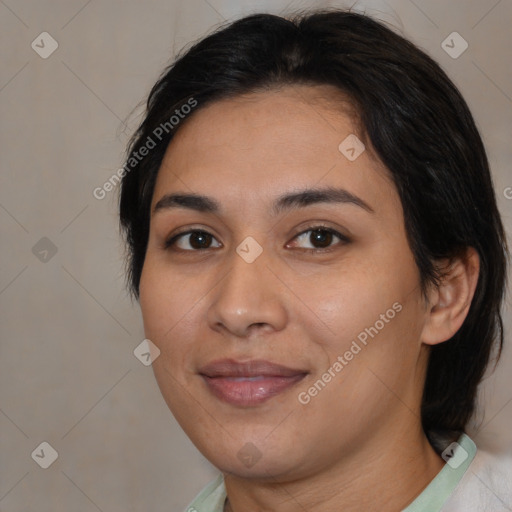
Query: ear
{"points": [[448, 304]]}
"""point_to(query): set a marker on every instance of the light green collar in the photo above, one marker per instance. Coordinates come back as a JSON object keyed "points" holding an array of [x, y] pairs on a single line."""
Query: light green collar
{"points": [[211, 498], [458, 456]]}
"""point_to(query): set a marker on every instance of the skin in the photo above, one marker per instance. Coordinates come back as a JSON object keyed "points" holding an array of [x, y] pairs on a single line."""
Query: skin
{"points": [[359, 441]]}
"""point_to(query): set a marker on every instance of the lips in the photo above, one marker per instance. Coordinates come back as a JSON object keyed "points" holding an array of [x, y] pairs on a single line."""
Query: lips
{"points": [[248, 383]]}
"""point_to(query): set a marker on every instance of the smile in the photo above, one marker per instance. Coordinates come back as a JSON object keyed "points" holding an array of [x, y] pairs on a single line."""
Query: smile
{"points": [[249, 383]]}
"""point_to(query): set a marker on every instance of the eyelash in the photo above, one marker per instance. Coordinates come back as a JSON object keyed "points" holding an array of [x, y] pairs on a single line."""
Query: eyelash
{"points": [[343, 239]]}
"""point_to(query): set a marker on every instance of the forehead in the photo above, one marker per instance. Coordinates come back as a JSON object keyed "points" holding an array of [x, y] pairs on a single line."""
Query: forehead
{"points": [[262, 144]]}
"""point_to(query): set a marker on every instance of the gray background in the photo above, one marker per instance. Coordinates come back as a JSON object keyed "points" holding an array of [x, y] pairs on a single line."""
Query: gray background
{"points": [[68, 374]]}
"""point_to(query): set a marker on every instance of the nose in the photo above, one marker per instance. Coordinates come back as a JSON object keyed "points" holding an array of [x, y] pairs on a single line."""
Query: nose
{"points": [[248, 300]]}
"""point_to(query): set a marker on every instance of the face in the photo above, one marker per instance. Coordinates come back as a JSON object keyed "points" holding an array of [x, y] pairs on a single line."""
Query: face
{"points": [[289, 323]]}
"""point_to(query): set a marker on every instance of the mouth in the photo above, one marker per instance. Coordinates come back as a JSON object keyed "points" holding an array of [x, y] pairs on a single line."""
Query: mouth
{"points": [[248, 383]]}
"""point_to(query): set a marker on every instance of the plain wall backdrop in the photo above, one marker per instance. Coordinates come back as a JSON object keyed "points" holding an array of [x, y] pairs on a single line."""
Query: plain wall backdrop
{"points": [[68, 375]]}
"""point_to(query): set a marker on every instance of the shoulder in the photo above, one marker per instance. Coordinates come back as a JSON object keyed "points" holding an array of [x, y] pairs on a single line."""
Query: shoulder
{"points": [[486, 485]]}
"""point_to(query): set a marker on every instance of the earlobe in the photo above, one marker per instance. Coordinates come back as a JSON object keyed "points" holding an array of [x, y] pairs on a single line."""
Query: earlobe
{"points": [[449, 303]]}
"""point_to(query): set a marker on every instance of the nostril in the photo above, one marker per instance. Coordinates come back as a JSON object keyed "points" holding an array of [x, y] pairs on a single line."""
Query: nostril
{"points": [[257, 324]]}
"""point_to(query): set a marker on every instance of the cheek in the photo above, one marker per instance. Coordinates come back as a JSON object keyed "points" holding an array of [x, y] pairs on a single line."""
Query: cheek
{"points": [[167, 299], [164, 313], [172, 304], [374, 304], [153, 301], [347, 302]]}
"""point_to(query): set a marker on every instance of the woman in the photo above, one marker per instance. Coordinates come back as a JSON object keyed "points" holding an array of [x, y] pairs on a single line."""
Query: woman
{"points": [[315, 244]]}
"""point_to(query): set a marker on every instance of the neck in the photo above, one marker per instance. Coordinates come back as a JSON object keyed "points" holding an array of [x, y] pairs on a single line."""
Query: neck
{"points": [[381, 476]]}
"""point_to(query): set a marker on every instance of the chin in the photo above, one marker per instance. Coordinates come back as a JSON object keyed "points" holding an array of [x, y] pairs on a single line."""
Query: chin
{"points": [[253, 459]]}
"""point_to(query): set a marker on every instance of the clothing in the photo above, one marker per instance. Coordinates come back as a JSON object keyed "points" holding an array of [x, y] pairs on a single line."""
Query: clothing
{"points": [[468, 482]]}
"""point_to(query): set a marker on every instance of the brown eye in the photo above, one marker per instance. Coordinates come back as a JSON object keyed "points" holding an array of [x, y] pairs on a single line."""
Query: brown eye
{"points": [[197, 240], [200, 240], [320, 238]]}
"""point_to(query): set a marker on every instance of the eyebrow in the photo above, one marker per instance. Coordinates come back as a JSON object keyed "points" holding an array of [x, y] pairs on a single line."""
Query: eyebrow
{"points": [[299, 199]]}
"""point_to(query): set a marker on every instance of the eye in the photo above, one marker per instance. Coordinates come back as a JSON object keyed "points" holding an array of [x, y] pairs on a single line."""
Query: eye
{"points": [[197, 239], [320, 238]]}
